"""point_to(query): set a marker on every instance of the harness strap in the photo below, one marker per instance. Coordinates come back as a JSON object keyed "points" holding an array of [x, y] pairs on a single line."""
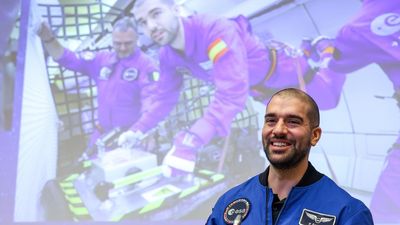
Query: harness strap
{"points": [[267, 92]]}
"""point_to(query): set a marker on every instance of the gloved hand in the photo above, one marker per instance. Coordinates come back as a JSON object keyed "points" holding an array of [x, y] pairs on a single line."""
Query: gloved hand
{"points": [[44, 31], [181, 159], [325, 48], [130, 138]]}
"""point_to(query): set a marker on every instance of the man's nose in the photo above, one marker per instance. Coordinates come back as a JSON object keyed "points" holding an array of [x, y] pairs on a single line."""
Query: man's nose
{"points": [[122, 47], [279, 128], [151, 25]]}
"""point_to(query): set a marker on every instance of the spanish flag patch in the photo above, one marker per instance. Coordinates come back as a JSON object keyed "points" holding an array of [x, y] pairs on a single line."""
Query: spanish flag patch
{"points": [[217, 49]]}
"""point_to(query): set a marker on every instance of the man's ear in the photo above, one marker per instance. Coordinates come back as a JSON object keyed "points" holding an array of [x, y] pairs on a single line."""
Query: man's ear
{"points": [[315, 135]]}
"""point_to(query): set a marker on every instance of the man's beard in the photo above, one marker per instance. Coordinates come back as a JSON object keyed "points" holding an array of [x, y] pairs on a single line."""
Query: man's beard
{"points": [[124, 55], [290, 161], [170, 35]]}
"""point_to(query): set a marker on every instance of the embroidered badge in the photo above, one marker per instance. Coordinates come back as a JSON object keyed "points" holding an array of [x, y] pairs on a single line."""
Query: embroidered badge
{"points": [[86, 55], [309, 217], [154, 76], [105, 73], [386, 24], [236, 210], [130, 74], [217, 49]]}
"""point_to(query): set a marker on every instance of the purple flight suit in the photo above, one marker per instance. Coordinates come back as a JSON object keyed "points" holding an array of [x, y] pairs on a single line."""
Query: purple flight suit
{"points": [[124, 86], [385, 202], [224, 52], [373, 36]]}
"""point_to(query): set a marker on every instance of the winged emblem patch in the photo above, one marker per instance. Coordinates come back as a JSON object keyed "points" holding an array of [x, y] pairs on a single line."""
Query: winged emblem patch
{"points": [[309, 217]]}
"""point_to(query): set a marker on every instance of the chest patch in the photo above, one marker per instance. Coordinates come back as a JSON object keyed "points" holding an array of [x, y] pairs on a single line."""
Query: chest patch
{"points": [[130, 74], [154, 76], [309, 217], [236, 210]]}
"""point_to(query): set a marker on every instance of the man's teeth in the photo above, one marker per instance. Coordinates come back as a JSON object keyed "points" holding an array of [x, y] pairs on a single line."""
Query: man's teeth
{"points": [[280, 144]]}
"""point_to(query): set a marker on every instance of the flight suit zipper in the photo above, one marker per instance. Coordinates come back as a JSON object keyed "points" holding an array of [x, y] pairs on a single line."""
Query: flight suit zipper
{"points": [[283, 208]]}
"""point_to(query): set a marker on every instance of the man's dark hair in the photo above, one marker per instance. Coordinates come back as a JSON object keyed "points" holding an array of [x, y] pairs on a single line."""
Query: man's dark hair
{"points": [[313, 111]]}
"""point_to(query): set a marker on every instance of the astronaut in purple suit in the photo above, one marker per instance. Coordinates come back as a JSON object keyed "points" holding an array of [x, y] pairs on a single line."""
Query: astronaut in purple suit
{"points": [[373, 36], [126, 78], [225, 53]]}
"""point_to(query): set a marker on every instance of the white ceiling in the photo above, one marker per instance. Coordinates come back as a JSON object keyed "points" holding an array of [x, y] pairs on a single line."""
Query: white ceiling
{"points": [[210, 6], [227, 7]]}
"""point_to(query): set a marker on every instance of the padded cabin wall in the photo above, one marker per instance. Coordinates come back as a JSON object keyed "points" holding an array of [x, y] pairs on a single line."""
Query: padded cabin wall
{"points": [[37, 157]]}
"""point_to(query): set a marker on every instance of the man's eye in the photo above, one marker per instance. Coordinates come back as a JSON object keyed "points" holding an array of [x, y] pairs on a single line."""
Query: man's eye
{"points": [[294, 122], [141, 23], [156, 14], [270, 121]]}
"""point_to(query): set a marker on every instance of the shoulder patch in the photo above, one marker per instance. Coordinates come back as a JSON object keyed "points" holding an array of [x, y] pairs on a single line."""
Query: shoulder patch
{"points": [[154, 76], [312, 217], [385, 24], [105, 73], [236, 210], [217, 49], [86, 55]]}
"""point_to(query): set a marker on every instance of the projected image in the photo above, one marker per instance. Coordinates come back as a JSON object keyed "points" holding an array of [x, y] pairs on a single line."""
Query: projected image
{"points": [[8, 52], [116, 124], [156, 107]]}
